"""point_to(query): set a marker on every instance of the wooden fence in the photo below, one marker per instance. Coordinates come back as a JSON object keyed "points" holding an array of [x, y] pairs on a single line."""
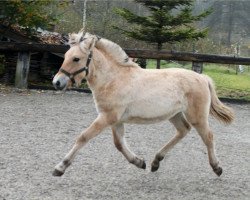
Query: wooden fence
{"points": [[24, 50]]}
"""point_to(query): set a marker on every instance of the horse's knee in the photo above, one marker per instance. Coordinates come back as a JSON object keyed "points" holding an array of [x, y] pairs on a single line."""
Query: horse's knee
{"points": [[181, 134], [210, 136], [81, 140]]}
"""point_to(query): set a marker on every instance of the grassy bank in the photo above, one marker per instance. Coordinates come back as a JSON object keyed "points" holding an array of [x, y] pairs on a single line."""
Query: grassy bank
{"points": [[228, 83]]}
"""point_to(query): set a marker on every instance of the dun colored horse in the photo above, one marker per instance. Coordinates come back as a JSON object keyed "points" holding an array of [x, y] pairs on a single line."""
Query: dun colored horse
{"points": [[123, 93]]}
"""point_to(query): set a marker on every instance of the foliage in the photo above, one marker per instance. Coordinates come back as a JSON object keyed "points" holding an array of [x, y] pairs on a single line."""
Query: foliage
{"points": [[169, 21], [29, 14], [162, 25]]}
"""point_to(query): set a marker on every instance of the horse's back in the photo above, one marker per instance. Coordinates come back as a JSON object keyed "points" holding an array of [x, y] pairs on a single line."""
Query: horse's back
{"points": [[158, 95], [172, 83]]}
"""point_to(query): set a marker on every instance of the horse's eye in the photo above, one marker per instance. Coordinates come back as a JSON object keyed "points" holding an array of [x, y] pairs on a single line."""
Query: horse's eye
{"points": [[76, 59]]}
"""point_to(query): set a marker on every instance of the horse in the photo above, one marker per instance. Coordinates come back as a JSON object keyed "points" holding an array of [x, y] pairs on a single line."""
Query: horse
{"points": [[124, 93]]}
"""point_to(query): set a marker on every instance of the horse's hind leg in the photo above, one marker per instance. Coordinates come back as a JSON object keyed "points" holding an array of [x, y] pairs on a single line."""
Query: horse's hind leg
{"points": [[207, 136], [182, 127], [120, 143]]}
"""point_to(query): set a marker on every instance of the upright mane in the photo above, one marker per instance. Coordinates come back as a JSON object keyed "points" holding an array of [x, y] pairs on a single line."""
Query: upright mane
{"points": [[110, 48], [75, 38], [114, 51]]}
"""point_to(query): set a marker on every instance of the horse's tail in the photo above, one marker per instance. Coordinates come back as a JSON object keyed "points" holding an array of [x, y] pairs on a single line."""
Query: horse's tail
{"points": [[217, 109]]}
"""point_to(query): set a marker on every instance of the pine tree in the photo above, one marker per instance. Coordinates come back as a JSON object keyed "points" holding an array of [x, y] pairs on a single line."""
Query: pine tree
{"points": [[168, 22]]}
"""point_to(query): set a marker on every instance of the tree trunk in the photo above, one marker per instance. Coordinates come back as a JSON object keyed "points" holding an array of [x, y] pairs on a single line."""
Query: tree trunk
{"points": [[159, 47], [84, 22], [230, 23]]}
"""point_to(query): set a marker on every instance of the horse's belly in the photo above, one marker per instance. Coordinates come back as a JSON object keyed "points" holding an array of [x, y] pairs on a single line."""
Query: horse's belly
{"points": [[143, 120], [150, 113]]}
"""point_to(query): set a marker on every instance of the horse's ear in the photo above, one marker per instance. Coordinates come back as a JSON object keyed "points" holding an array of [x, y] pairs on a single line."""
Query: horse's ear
{"points": [[72, 39], [88, 43], [92, 43]]}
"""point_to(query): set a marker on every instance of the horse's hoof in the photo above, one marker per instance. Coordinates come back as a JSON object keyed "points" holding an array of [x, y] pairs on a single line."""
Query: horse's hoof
{"points": [[218, 171], [143, 165], [154, 168], [57, 173]]}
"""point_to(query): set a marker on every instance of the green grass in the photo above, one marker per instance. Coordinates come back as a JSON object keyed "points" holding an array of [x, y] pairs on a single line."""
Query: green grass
{"points": [[228, 83]]}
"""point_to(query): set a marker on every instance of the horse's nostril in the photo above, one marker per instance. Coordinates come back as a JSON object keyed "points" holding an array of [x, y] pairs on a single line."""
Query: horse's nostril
{"points": [[58, 83]]}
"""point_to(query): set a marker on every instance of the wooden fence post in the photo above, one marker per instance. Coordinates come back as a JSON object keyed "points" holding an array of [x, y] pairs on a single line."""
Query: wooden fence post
{"points": [[22, 70], [197, 67]]}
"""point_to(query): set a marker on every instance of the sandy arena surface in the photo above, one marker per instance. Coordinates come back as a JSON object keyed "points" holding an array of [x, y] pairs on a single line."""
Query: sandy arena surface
{"points": [[38, 128]]}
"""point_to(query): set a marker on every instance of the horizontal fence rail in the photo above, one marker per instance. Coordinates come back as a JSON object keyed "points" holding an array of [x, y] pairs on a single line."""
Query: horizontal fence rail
{"points": [[134, 53], [185, 56], [32, 47]]}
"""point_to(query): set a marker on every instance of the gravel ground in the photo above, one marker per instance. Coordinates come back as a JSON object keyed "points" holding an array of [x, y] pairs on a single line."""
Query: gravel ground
{"points": [[38, 128]]}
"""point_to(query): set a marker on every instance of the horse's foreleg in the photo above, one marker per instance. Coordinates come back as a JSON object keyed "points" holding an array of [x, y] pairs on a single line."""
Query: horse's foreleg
{"points": [[182, 127], [92, 131], [120, 143]]}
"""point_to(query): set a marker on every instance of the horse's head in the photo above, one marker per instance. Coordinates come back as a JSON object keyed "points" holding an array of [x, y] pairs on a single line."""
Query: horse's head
{"points": [[76, 62]]}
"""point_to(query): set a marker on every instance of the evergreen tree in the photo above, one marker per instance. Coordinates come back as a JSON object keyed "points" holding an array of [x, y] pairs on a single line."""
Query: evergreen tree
{"points": [[168, 22]]}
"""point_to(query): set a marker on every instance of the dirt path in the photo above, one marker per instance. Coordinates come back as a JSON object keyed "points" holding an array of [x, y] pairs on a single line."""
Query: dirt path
{"points": [[37, 129]]}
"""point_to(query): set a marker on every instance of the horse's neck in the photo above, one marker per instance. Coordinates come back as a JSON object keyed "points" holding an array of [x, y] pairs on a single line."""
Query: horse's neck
{"points": [[101, 70]]}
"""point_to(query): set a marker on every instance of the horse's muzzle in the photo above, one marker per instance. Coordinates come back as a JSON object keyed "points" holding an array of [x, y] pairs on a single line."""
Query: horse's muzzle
{"points": [[60, 82]]}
